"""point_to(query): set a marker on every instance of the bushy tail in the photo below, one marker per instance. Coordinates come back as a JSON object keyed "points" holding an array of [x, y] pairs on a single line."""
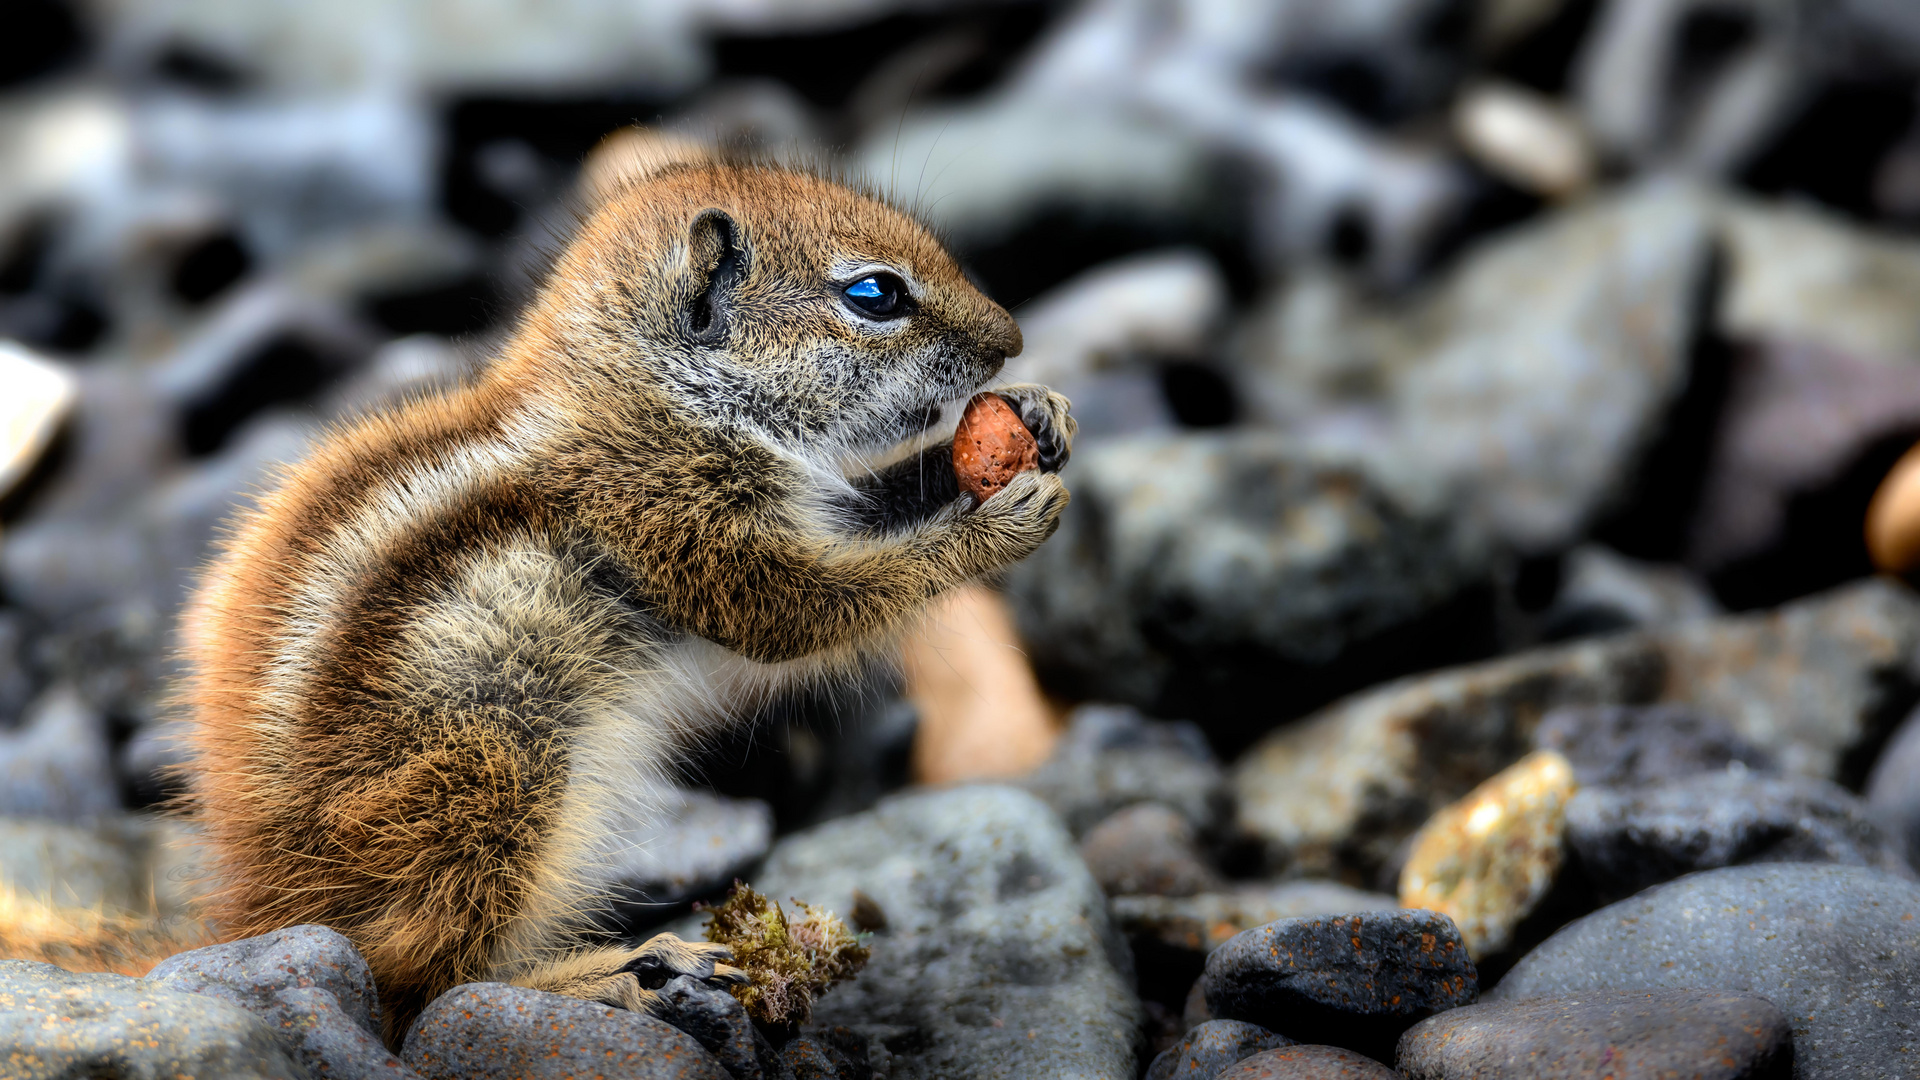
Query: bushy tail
{"points": [[88, 939]]}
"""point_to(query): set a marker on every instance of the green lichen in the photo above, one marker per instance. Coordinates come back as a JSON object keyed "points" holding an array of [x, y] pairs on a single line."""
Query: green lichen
{"points": [[791, 962]]}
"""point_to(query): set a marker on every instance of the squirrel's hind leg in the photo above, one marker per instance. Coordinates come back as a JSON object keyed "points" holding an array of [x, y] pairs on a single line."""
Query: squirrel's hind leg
{"points": [[626, 977]]}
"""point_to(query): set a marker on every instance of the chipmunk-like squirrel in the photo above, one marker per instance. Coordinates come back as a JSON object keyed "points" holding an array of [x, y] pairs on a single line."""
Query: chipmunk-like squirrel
{"points": [[458, 637]]}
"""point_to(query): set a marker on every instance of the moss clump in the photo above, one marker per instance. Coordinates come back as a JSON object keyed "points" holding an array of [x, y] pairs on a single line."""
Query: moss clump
{"points": [[790, 962]]}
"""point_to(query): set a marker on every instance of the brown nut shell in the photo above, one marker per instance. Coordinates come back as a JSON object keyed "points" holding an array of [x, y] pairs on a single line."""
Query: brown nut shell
{"points": [[991, 446]]}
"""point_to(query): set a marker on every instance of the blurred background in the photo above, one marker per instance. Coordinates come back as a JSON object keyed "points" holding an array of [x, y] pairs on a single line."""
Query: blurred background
{"points": [[1402, 333]]}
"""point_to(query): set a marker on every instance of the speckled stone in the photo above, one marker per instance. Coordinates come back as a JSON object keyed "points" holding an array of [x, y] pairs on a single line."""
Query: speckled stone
{"points": [[57, 1025], [1698, 1034], [308, 983], [1632, 838], [1355, 980], [1309, 1063], [1836, 947], [1486, 860], [1211, 1047], [717, 1021], [483, 1031], [1639, 744], [1203, 923], [997, 961]]}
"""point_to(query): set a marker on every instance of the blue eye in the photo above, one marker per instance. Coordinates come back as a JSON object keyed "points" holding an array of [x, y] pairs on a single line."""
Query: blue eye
{"points": [[879, 296]]}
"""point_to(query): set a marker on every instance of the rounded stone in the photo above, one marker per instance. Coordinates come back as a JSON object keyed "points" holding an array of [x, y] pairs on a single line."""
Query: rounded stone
{"points": [[56, 1024], [1309, 1063], [1836, 947], [481, 1031], [1487, 860], [1355, 980], [991, 446], [1700, 1034], [1211, 1047]]}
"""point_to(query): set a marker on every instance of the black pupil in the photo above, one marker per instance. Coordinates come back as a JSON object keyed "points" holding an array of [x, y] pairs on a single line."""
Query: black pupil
{"points": [[877, 294]]}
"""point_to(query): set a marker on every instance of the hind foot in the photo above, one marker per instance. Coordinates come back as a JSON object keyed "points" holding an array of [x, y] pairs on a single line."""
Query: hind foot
{"points": [[626, 978]]}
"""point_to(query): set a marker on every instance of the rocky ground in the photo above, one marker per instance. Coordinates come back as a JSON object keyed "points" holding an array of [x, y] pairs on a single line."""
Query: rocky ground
{"points": [[1468, 657]]}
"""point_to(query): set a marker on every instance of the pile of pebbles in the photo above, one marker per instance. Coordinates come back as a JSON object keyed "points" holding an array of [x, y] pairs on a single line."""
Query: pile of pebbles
{"points": [[1475, 665]]}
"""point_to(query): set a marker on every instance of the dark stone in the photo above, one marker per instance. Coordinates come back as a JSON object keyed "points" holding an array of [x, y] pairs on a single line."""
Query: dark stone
{"points": [[719, 1022], [311, 987], [1212, 1047], [1150, 849], [1893, 788], [1618, 745], [1700, 1034], [1355, 980], [487, 1030], [832, 1054], [1836, 947], [1629, 839], [1112, 757], [57, 1025], [1308, 1063]]}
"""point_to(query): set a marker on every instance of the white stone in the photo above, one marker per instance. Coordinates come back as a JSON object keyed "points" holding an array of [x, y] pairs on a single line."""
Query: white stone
{"points": [[36, 395]]}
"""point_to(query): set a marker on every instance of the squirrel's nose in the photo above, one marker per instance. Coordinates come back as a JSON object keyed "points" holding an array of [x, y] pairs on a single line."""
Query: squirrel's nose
{"points": [[1000, 333]]}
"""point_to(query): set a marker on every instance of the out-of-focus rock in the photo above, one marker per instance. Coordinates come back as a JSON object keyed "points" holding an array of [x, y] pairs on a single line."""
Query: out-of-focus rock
{"points": [[57, 1024], [1355, 980], [1161, 305], [1097, 337], [1111, 758], [982, 716], [1603, 590], [308, 983], [1211, 1047], [1796, 417], [58, 764], [36, 395], [1150, 849], [1796, 273], [996, 960], [1893, 788], [1625, 745], [1525, 138], [481, 1031], [691, 845], [1487, 860], [1308, 1062], [1629, 839], [1837, 948], [1200, 924], [1527, 385], [1809, 683], [1694, 1033], [1634, 57], [1210, 575]]}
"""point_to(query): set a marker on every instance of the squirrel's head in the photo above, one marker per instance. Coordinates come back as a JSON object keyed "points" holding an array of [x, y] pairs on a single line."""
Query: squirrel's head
{"points": [[775, 299]]}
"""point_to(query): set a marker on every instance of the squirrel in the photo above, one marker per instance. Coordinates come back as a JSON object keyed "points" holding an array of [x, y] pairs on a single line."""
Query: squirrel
{"points": [[459, 637]]}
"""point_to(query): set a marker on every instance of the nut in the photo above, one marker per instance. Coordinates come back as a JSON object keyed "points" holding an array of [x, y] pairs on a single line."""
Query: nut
{"points": [[991, 446]]}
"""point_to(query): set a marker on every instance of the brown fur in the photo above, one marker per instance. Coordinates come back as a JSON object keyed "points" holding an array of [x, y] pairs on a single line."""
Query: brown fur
{"points": [[459, 633]]}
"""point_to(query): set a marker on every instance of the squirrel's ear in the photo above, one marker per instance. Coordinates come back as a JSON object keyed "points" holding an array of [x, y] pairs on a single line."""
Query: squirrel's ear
{"points": [[634, 155], [718, 262]]}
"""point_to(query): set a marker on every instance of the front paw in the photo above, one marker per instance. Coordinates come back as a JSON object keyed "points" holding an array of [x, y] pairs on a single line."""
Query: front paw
{"points": [[665, 956], [1045, 414], [1019, 517]]}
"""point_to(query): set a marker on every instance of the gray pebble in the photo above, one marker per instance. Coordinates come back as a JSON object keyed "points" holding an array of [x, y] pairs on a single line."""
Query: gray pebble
{"points": [[308, 983], [1111, 757], [1631, 838], [56, 1025], [1148, 848], [1893, 788], [717, 1020], [1355, 980], [1699, 1034], [1619, 745], [1836, 947], [483, 1031], [1309, 1063], [1211, 1047]]}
